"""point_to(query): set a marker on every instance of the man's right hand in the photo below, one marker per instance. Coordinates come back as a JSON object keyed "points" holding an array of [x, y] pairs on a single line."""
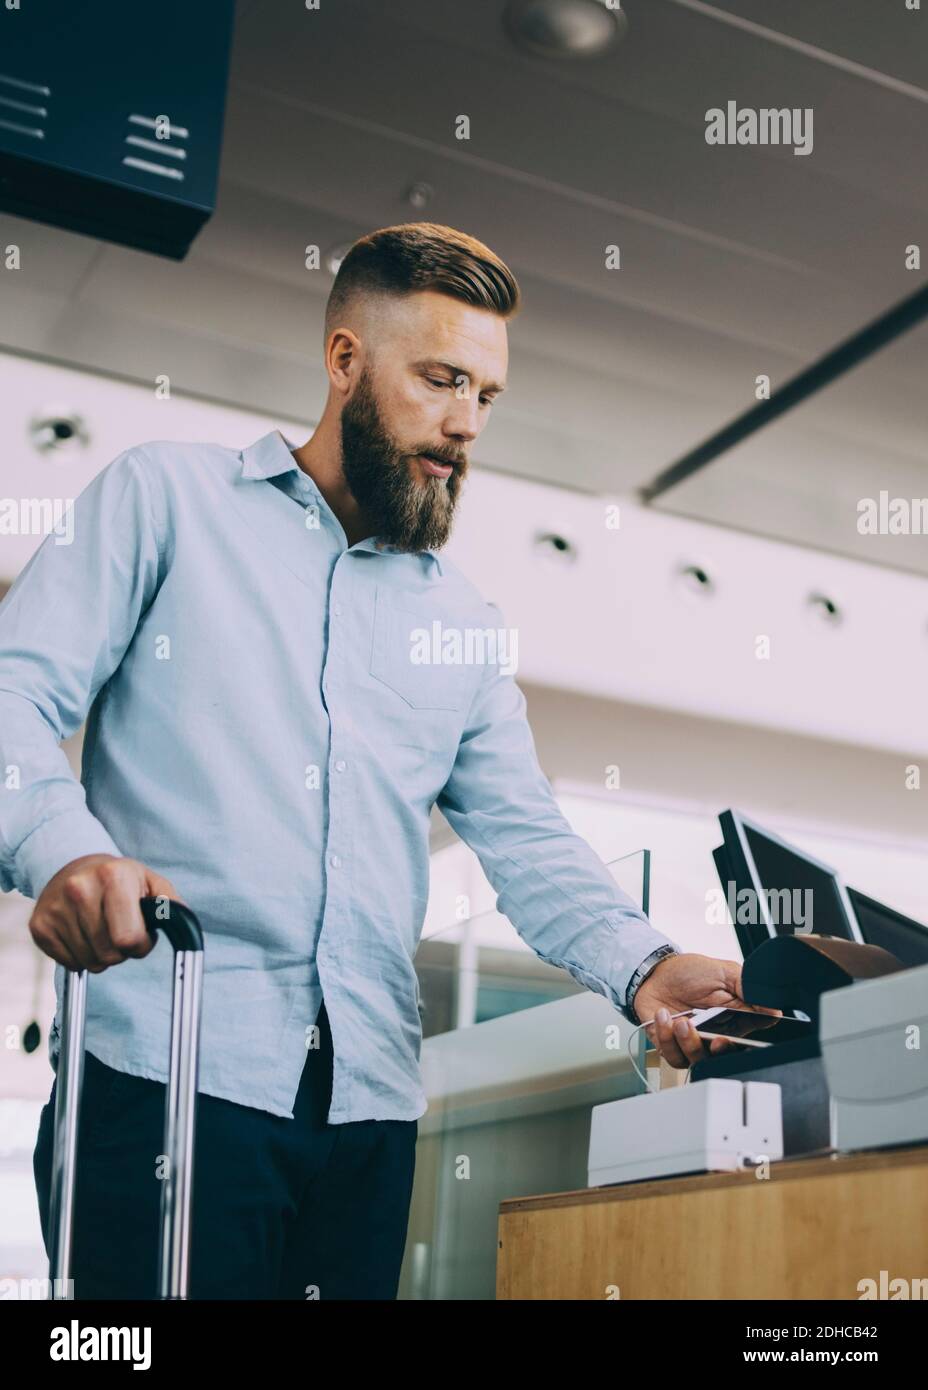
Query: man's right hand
{"points": [[88, 917]]}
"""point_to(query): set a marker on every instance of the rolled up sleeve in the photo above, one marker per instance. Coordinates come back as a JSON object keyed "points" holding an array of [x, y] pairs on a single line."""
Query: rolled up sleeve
{"points": [[553, 887], [64, 627]]}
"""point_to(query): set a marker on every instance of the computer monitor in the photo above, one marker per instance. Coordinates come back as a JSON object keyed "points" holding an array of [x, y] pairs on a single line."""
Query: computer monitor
{"points": [[882, 926], [774, 889]]}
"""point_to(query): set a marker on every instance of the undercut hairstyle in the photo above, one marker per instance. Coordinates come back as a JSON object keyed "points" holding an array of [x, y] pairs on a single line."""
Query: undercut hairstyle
{"points": [[422, 256]]}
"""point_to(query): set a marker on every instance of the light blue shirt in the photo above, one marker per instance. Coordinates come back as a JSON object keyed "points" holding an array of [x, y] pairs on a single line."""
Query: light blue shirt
{"points": [[259, 733]]}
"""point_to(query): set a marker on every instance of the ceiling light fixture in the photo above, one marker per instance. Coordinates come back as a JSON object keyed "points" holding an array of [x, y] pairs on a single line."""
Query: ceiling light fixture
{"points": [[60, 431], [565, 28], [554, 547], [695, 581], [823, 609], [419, 195]]}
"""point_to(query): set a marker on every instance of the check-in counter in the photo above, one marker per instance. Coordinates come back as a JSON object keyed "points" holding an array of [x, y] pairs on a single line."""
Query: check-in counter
{"points": [[837, 1227]]}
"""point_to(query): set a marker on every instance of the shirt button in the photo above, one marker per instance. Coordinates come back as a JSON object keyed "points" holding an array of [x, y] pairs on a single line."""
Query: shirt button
{"points": [[340, 765], [337, 609], [334, 861]]}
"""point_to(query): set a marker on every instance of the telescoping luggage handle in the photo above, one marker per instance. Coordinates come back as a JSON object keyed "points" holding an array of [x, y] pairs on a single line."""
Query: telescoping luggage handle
{"points": [[179, 924]]}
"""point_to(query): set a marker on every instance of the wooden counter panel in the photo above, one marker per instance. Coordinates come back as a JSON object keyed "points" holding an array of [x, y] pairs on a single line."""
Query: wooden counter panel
{"points": [[812, 1230]]}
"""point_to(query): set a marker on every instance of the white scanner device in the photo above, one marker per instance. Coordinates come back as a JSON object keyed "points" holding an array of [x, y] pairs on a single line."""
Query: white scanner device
{"points": [[717, 1125]]}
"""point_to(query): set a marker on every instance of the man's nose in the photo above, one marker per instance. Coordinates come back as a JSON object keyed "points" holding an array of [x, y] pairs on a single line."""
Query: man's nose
{"points": [[463, 420]]}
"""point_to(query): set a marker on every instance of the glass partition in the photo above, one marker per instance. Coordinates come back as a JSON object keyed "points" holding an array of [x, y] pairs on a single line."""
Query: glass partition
{"points": [[478, 967], [515, 1055]]}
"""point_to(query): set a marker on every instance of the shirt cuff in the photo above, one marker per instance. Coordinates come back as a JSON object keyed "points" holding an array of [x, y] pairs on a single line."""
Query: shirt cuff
{"points": [[633, 941], [55, 843]]}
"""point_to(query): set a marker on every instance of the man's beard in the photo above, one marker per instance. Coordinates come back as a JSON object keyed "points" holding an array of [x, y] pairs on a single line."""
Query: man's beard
{"points": [[412, 513]]}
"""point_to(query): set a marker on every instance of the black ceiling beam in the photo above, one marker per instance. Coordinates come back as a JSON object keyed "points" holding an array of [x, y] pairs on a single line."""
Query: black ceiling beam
{"points": [[870, 339]]}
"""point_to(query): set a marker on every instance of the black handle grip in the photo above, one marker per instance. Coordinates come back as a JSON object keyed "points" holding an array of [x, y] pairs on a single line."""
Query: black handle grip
{"points": [[180, 926]]}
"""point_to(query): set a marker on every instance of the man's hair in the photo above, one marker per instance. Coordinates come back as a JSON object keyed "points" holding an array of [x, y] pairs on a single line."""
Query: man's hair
{"points": [[422, 256]]}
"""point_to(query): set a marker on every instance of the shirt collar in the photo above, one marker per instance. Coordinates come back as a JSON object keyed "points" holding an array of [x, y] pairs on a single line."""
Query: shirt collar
{"points": [[272, 455]]}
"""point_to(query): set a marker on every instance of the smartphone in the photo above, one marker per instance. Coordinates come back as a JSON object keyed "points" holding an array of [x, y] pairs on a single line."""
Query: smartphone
{"points": [[743, 1024]]}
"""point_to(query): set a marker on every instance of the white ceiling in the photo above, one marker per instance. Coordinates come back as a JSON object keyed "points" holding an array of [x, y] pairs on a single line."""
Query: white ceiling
{"points": [[736, 261]]}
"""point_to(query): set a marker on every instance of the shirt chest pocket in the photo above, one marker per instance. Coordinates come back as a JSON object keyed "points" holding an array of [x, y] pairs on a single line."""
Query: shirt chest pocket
{"points": [[421, 654]]}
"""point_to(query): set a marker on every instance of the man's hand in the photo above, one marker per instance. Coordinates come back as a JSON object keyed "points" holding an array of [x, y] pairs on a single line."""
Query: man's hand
{"points": [[690, 981], [88, 917]]}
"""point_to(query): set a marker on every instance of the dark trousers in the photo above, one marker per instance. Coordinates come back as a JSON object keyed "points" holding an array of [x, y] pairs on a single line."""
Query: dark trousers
{"points": [[282, 1209]]}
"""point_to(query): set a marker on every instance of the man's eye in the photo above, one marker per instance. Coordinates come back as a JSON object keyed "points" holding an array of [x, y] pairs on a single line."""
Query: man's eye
{"points": [[438, 381]]}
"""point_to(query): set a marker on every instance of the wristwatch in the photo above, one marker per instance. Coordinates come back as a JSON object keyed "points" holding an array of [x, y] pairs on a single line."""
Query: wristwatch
{"points": [[641, 974]]}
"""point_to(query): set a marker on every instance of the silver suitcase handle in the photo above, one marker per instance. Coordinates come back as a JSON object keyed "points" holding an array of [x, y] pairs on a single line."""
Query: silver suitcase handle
{"points": [[179, 924]]}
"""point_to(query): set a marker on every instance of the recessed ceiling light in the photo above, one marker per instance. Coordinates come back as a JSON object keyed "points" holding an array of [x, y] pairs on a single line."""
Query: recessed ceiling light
{"points": [[823, 609], [565, 28], [552, 546], [695, 581], [420, 195], [60, 431]]}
